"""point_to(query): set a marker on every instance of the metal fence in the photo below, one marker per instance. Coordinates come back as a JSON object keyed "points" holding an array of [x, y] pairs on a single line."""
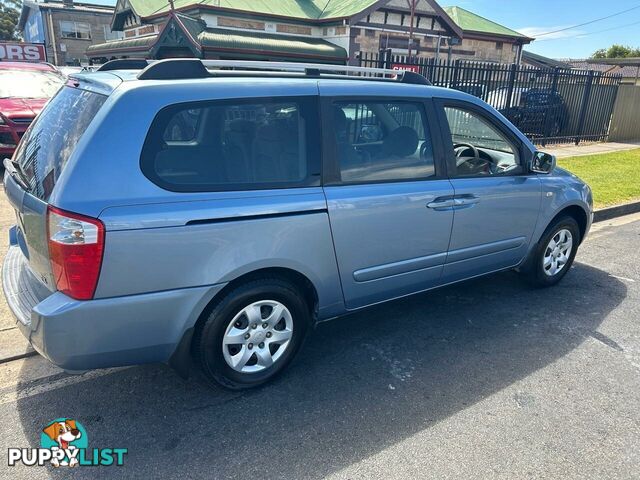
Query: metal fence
{"points": [[547, 105], [625, 123]]}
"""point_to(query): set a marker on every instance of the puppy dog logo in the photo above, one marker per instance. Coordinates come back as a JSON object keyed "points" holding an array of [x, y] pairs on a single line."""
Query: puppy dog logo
{"points": [[64, 442], [64, 436]]}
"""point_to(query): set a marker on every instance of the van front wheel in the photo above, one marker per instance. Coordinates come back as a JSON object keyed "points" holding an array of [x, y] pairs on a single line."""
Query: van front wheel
{"points": [[555, 252], [252, 333]]}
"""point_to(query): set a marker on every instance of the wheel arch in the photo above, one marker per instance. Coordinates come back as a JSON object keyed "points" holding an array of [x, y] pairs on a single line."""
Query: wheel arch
{"points": [[577, 213], [574, 211], [180, 360]]}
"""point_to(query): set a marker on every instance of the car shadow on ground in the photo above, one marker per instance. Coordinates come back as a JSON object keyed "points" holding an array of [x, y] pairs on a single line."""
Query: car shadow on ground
{"points": [[361, 384]]}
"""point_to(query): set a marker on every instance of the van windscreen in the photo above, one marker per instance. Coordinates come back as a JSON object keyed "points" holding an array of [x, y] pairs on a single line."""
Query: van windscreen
{"points": [[52, 137]]}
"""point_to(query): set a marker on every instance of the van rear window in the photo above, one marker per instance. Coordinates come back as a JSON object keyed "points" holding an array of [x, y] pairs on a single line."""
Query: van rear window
{"points": [[246, 144], [47, 145]]}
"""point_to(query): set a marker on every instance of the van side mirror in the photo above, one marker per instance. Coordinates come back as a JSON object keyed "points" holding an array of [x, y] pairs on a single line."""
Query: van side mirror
{"points": [[543, 163], [370, 133]]}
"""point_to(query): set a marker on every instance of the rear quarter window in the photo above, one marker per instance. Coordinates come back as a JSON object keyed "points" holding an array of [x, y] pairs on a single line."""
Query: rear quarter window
{"points": [[50, 140], [234, 145]]}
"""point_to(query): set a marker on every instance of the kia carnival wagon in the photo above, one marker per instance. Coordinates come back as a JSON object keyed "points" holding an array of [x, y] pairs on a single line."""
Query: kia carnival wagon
{"points": [[216, 211]]}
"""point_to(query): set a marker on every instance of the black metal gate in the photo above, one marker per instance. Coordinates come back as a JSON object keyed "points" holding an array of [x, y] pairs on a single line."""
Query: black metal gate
{"points": [[547, 105]]}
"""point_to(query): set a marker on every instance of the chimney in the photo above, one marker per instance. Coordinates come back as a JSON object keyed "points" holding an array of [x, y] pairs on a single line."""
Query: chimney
{"points": [[68, 3]]}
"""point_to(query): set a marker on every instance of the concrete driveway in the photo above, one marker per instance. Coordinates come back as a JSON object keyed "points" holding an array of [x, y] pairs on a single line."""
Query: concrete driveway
{"points": [[486, 379]]}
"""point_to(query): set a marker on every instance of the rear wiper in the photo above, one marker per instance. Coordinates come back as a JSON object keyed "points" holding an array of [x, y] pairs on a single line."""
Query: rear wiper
{"points": [[15, 170]]}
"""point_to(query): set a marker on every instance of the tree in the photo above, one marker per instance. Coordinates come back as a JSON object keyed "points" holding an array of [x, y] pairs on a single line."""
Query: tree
{"points": [[9, 15], [616, 51]]}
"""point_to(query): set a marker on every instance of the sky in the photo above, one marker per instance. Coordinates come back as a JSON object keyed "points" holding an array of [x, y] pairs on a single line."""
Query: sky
{"points": [[534, 17]]}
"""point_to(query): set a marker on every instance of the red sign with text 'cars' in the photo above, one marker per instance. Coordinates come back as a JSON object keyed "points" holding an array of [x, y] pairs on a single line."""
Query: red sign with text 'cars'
{"points": [[22, 52]]}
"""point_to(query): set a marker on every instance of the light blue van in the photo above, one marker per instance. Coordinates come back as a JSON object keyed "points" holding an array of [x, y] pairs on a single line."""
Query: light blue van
{"points": [[188, 210]]}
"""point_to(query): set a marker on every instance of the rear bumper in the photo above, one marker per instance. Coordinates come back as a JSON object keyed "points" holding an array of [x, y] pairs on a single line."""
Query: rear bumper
{"points": [[110, 332]]}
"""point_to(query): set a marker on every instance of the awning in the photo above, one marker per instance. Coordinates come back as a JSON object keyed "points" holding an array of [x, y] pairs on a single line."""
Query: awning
{"points": [[261, 45], [218, 42], [126, 46]]}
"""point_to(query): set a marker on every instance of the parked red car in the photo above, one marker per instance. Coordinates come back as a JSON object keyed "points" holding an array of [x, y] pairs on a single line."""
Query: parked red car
{"points": [[24, 89]]}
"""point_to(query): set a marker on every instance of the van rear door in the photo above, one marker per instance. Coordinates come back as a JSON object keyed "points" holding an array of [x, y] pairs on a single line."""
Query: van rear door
{"points": [[37, 164]]}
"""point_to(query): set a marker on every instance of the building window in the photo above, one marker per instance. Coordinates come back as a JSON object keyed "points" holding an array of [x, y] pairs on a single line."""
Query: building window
{"points": [[75, 30], [369, 33], [499, 45], [109, 35], [399, 43]]}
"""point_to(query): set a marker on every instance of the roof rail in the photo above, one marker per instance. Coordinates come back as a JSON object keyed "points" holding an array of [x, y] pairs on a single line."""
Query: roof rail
{"points": [[123, 64], [185, 68]]}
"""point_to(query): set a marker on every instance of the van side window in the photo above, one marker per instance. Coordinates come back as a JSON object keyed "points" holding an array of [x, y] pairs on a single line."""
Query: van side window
{"points": [[382, 141], [480, 149], [232, 145]]}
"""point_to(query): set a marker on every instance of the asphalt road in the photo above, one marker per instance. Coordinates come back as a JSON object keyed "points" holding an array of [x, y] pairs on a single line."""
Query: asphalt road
{"points": [[486, 379]]}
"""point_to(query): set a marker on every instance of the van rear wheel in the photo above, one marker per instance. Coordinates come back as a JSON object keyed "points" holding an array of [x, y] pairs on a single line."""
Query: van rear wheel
{"points": [[253, 333]]}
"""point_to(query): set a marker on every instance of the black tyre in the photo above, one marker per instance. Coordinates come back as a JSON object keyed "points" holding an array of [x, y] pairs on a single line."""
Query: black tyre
{"points": [[554, 253], [252, 333]]}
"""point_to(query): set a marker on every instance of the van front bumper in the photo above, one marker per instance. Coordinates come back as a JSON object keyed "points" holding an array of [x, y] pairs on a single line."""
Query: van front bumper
{"points": [[101, 333]]}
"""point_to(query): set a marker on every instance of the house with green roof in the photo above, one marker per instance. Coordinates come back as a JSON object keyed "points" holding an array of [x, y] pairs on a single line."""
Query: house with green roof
{"points": [[322, 31], [485, 40]]}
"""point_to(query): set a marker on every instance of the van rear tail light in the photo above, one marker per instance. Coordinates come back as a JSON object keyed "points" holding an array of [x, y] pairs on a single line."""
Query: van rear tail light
{"points": [[76, 245]]}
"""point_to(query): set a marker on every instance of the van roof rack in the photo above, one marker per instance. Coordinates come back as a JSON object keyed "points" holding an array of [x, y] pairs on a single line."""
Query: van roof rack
{"points": [[124, 64], [186, 68]]}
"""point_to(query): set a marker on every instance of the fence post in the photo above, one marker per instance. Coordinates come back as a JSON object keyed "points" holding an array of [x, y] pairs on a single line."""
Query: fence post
{"points": [[556, 73], [585, 105], [512, 83], [456, 74], [384, 58]]}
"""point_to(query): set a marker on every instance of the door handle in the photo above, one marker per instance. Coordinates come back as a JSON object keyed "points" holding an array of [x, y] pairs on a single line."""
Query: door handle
{"points": [[465, 200], [442, 203]]}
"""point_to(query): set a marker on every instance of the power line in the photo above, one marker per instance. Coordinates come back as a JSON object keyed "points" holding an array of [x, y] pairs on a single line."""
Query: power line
{"points": [[589, 22], [586, 34], [606, 30]]}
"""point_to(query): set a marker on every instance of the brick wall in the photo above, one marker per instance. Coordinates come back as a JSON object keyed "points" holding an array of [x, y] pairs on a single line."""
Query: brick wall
{"points": [[240, 23], [75, 48], [484, 50], [470, 49]]}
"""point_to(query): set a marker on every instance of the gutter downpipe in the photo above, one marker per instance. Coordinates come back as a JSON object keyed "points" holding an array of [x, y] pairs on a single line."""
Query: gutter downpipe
{"points": [[53, 38]]}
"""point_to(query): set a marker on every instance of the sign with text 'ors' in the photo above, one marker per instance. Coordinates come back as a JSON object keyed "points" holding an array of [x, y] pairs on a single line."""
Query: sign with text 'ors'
{"points": [[22, 52]]}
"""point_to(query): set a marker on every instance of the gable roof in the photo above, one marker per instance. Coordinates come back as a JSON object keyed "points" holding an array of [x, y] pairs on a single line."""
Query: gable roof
{"points": [[470, 22], [300, 9]]}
